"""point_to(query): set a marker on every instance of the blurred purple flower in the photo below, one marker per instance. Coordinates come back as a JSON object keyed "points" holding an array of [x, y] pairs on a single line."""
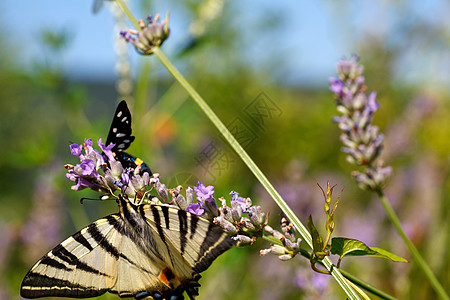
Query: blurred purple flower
{"points": [[150, 36], [362, 140]]}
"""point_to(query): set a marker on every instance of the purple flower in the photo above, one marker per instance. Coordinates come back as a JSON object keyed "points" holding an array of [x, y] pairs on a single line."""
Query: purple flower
{"points": [[87, 168], [336, 85], [195, 208], [88, 143], [203, 192], [75, 149], [206, 199], [83, 183], [372, 104], [107, 149], [239, 200]]}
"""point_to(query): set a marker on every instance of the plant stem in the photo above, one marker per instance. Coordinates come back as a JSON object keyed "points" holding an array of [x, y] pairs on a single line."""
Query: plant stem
{"points": [[417, 257], [128, 13], [253, 167]]}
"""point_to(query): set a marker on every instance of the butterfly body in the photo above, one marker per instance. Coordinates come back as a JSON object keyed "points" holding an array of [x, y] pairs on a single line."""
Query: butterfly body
{"points": [[120, 135], [144, 250]]}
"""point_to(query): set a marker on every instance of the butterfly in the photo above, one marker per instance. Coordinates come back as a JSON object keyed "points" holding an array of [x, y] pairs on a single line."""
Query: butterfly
{"points": [[120, 135], [144, 250]]}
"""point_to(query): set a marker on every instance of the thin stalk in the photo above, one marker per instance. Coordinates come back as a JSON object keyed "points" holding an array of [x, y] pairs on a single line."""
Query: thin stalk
{"points": [[128, 13], [417, 257], [253, 168]]}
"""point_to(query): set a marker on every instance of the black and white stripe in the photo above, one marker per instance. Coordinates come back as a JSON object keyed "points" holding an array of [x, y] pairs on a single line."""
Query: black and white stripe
{"points": [[127, 254]]}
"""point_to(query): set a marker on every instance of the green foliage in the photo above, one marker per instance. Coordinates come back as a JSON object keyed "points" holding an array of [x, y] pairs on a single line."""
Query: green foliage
{"points": [[351, 247]]}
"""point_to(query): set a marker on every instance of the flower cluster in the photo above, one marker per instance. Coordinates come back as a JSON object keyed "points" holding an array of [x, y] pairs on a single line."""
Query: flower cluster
{"points": [[101, 172], [149, 36], [242, 220], [290, 245], [362, 140]]}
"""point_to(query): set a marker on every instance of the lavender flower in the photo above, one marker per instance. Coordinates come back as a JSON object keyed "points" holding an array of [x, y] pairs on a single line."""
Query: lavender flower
{"points": [[206, 199], [149, 36], [362, 140], [104, 174], [195, 208]]}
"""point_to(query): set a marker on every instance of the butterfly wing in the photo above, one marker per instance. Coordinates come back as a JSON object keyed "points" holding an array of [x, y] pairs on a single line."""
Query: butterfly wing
{"points": [[97, 259], [120, 130], [146, 250], [79, 266], [196, 241]]}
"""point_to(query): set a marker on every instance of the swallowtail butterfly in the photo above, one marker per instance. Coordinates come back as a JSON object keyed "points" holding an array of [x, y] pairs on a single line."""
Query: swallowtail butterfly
{"points": [[120, 135], [144, 250]]}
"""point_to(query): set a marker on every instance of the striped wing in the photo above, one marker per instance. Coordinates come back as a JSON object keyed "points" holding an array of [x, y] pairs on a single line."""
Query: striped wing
{"points": [[78, 267], [195, 240], [97, 259], [146, 250]]}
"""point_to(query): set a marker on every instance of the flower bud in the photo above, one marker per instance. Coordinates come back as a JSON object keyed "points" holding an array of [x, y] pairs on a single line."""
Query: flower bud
{"points": [[242, 240], [189, 195], [226, 225]]}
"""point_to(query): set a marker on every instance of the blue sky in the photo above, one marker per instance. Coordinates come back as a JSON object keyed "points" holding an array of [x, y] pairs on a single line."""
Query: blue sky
{"points": [[317, 35]]}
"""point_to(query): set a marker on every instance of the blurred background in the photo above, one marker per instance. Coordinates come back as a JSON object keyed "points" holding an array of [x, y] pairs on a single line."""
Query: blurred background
{"points": [[263, 68]]}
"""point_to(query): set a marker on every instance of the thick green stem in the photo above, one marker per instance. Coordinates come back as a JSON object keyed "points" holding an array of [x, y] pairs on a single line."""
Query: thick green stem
{"points": [[253, 167], [417, 257]]}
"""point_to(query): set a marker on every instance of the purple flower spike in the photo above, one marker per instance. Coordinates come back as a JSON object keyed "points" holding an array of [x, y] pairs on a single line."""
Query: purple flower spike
{"points": [[75, 149], [362, 140], [195, 208]]}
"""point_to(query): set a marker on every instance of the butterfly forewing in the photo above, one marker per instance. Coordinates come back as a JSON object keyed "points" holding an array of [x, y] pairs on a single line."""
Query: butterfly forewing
{"points": [[78, 267], [120, 135], [120, 130]]}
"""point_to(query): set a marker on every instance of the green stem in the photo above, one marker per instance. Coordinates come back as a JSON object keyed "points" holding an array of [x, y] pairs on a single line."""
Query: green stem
{"points": [[417, 257], [368, 287], [128, 13], [253, 167]]}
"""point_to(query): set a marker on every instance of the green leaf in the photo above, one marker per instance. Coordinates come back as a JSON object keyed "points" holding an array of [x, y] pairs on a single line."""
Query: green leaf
{"points": [[351, 247], [316, 238]]}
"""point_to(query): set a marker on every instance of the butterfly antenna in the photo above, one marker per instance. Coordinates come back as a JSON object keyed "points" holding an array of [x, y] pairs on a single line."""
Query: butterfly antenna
{"points": [[100, 198]]}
